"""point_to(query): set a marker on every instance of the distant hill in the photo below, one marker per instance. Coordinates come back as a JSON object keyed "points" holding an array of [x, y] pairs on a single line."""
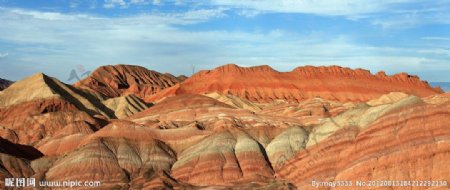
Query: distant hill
{"points": [[113, 81], [264, 84]]}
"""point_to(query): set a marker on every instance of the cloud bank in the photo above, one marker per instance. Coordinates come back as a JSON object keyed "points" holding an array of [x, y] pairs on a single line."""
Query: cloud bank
{"points": [[171, 41]]}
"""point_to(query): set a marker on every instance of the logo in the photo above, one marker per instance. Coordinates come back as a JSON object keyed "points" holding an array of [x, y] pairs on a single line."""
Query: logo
{"points": [[74, 74]]}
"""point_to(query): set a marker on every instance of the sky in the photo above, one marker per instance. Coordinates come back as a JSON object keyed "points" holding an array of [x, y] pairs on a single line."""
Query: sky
{"points": [[182, 36]]}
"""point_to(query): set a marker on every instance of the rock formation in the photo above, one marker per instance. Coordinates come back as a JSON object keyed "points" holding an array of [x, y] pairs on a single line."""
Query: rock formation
{"points": [[15, 160], [229, 128], [405, 144], [235, 101], [39, 87], [126, 105], [117, 80], [264, 84], [38, 106], [224, 159]]}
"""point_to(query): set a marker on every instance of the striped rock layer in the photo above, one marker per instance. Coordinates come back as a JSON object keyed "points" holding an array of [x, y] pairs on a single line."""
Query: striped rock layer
{"points": [[117, 80], [224, 140], [411, 143], [264, 84]]}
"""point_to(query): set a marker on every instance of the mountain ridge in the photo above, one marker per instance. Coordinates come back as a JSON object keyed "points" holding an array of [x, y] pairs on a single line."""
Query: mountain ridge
{"points": [[264, 84], [112, 81], [40, 86], [193, 139]]}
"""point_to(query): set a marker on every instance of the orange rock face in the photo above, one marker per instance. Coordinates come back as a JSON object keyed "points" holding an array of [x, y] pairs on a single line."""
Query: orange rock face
{"points": [[263, 84], [117, 80]]}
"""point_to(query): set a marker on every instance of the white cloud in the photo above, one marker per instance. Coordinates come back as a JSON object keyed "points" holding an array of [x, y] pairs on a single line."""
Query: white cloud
{"points": [[248, 13], [203, 14], [109, 4], [139, 2], [114, 3], [318, 7], [47, 39], [179, 2], [73, 4], [413, 18], [56, 42], [157, 2], [51, 16], [383, 13], [2, 55], [436, 38], [445, 52]]}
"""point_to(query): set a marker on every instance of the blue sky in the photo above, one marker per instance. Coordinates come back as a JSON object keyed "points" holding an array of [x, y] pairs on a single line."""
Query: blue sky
{"points": [[56, 36]]}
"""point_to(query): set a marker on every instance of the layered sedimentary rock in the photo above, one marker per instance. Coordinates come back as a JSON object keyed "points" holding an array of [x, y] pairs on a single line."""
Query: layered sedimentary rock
{"points": [[37, 107], [121, 155], [125, 106], [31, 88], [15, 160], [234, 134], [179, 108], [197, 111], [13, 167], [117, 162], [310, 111], [264, 84], [117, 80], [409, 143], [437, 99], [286, 145], [40, 87], [29, 123], [236, 101], [226, 159], [192, 107], [66, 139], [362, 115], [4, 84], [388, 99]]}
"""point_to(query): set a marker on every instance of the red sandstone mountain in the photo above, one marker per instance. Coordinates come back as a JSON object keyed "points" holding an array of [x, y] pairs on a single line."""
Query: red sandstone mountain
{"points": [[220, 140], [264, 84], [117, 80], [4, 84]]}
